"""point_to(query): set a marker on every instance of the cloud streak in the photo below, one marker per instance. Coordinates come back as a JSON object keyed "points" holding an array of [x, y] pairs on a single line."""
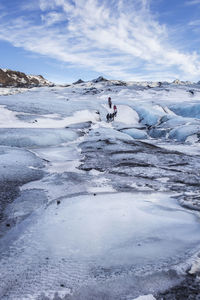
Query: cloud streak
{"points": [[120, 39], [192, 2]]}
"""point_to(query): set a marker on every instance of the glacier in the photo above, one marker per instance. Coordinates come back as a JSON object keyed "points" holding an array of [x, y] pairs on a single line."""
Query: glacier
{"points": [[98, 210]]}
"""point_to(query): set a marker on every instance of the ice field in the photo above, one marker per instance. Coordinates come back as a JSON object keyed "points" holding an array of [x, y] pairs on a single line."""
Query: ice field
{"points": [[93, 209]]}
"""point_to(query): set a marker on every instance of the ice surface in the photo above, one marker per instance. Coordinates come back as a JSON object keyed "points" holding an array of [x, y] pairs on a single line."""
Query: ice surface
{"points": [[19, 165], [43, 101], [36, 137], [11, 119], [135, 218], [121, 231]]}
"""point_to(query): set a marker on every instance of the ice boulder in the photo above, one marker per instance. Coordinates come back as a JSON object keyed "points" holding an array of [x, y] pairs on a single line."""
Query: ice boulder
{"points": [[182, 133], [150, 114], [136, 133], [187, 110]]}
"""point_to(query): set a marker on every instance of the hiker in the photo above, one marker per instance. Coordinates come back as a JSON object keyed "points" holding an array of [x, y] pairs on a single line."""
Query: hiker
{"points": [[98, 116], [115, 110], [112, 116], [108, 117], [109, 102]]}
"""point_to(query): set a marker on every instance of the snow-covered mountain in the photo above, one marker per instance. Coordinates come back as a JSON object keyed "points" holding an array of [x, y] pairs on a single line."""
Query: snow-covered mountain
{"points": [[92, 209], [147, 84], [9, 78]]}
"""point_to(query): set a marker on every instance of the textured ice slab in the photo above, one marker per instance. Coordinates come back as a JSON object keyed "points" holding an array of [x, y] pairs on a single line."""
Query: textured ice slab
{"points": [[10, 119], [181, 133], [36, 137], [90, 238], [123, 228], [187, 110]]}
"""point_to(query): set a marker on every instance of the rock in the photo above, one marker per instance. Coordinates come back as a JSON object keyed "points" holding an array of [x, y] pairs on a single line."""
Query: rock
{"points": [[9, 78], [191, 92], [99, 79], [176, 81], [79, 81]]}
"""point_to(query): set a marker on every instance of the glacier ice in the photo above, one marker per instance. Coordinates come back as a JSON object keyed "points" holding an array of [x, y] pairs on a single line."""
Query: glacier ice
{"points": [[34, 137], [136, 133], [93, 215], [89, 235]]}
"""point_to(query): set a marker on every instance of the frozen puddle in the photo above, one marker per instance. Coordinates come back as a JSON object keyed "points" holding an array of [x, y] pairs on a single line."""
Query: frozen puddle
{"points": [[85, 239]]}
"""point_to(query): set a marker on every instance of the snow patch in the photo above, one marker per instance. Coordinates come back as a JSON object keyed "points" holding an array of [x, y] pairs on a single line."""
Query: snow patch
{"points": [[146, 297]]}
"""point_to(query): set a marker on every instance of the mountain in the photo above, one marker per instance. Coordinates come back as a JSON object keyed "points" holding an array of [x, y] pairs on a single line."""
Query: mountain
{"points": [[79, 81], [179, 82], [10, 78], [103, 82]]}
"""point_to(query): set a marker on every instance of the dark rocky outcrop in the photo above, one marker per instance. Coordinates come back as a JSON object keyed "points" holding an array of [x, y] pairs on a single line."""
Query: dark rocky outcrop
{"points": [[79, 81], [99, 79], [9, 78]]}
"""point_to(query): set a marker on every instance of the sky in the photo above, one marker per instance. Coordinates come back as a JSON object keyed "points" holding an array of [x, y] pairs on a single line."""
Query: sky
{"points": [[65, 40]]}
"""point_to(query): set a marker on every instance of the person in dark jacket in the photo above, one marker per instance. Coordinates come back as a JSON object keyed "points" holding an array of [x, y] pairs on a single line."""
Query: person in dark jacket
{"points": [[108, 117], [111, 117], [109, 102]]}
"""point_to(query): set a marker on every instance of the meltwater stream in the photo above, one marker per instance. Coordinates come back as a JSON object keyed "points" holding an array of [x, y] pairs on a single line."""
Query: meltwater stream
{"points": [[98, 247]]}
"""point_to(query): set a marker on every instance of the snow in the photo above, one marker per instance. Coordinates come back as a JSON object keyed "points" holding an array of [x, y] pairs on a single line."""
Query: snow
{"points": [[126, 115], [11, 91], [195, 266]]}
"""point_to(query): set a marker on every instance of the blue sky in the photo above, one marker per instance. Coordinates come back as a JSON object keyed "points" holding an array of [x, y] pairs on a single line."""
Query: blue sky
{"points": [[65, 40]]}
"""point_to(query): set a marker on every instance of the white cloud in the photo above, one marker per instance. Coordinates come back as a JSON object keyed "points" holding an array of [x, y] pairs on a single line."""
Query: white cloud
{"points": [[194, 23], [53, 18], [29, 6], [192, 2], [118, 41]]}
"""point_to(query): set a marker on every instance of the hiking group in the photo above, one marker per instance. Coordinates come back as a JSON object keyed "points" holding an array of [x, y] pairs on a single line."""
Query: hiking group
{"points": [[110, 116]]}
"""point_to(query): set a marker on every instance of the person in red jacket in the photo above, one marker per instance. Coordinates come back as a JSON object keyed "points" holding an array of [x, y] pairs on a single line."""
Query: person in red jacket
{"points": [[115, 110], [109, 102]]}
